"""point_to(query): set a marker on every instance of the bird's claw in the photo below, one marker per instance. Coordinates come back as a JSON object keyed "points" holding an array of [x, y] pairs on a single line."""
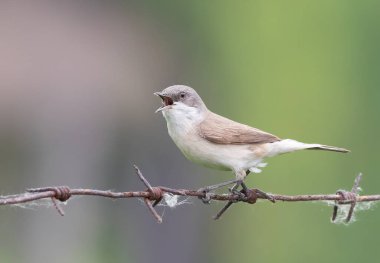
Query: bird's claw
{"points": [[271, 198], [206, 198], [240, 193], [251, 194], [267, 196]]}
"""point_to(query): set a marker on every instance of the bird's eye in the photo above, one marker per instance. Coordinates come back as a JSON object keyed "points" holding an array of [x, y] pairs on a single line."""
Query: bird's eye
{"points": [[182, 95]]}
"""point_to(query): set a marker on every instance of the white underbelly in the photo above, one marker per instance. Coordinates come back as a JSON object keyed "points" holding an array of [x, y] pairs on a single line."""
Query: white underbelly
{"points": [[217, 156]]}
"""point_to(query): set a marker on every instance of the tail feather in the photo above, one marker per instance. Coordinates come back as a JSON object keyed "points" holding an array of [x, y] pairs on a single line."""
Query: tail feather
{"points": [[288, 145], [329, 148]]}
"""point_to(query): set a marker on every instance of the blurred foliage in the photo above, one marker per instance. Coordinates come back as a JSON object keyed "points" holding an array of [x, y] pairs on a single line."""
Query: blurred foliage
{"points": [[306, 70], [300, 69]]}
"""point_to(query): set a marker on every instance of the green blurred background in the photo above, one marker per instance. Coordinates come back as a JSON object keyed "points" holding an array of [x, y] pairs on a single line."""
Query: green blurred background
{"points": [[76, 108]]}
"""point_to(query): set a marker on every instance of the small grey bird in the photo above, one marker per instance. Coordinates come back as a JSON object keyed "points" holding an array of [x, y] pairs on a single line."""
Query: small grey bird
{"points": [[217, 142]]}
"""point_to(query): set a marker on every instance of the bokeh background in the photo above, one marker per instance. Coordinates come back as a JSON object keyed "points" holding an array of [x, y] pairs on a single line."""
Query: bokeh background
{"points": [[77, 109]]}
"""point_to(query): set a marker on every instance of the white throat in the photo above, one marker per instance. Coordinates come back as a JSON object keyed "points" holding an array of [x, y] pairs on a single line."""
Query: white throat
{"points": [[180, 112], [182, 119]]}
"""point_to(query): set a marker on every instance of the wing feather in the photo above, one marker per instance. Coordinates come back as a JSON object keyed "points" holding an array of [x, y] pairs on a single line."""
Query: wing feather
{"points": [[220, 130]]}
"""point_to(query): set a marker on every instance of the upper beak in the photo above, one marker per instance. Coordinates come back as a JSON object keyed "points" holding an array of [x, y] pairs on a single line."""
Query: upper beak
{"points": [[166, 101]]}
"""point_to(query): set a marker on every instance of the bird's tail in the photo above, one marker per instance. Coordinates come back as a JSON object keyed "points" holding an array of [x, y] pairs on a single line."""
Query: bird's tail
{"points": [[329, 148], [289, 145]]}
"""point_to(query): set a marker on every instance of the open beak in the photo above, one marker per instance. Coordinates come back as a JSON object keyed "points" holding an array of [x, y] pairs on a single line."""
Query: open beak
{"points": [[166, 101]]}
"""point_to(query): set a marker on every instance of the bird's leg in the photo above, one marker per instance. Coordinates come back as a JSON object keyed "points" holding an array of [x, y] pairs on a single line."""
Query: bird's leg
{"points": [[240, 175], [206, 190], [235, 190], [217, 186], [245, 192], [245, 188]]}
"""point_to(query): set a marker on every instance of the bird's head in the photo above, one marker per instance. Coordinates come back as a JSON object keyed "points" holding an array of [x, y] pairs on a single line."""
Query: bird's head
{"points": [[180, 98]]}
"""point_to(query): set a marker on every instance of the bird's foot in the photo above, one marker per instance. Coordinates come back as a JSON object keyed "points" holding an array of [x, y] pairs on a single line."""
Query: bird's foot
{"points": [[267, 196], [206, 198], [245, 195], [250, 194], [206, 190], [234, 190], [241, 193]]}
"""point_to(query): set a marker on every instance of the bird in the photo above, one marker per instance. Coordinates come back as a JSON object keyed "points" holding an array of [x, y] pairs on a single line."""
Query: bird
{"points": [[214, 141]]}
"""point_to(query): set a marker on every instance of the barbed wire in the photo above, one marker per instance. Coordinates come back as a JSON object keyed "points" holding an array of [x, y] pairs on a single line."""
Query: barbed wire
{"points": [[153, 196]]}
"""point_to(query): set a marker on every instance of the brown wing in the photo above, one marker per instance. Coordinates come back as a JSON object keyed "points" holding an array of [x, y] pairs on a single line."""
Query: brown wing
{"points": [[220, 130]]}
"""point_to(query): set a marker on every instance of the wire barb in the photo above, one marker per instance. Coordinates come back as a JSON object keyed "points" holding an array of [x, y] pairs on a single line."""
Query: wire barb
{"points": [[152, 210], [156, 195], [347, 198], [57, 206], [61, 193], [142, 178]]}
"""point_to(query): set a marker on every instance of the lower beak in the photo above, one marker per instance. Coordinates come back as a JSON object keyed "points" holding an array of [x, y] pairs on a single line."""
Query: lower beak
{"points": [[163, 107]]}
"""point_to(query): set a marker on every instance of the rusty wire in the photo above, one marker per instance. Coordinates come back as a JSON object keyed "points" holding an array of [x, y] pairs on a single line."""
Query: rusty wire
{"points": [[153, 195]]}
